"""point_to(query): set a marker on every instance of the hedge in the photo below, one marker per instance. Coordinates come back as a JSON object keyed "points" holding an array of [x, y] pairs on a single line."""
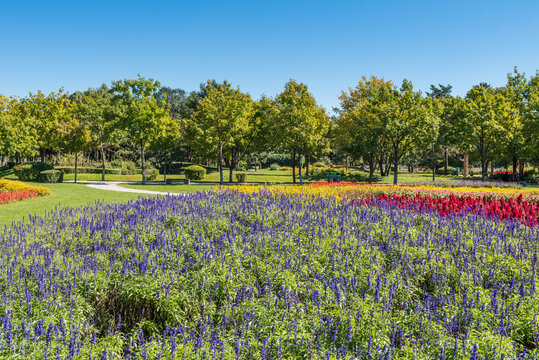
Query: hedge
{"points": [[241, 177], [94, 170], [51, 176], [318, 174], [194, 172], [30, 171]]}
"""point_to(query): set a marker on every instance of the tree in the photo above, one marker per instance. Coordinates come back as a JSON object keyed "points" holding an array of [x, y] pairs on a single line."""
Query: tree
{"points": [[18, 138], [76, 138], [47, 115], [99, 114], [407, 122], [442, 94], [165, 143], [360, 130], [300, 124], [222, 126], [485, 116], [142, 116]]}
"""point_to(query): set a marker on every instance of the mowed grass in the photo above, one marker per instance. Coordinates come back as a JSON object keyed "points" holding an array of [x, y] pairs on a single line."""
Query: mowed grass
{"points": [[61, 195], [186, 189], [260, 176]]}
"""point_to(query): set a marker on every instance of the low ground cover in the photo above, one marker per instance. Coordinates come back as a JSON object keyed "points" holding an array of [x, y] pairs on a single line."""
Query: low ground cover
{"points": [[235, 275], [60, 195]]}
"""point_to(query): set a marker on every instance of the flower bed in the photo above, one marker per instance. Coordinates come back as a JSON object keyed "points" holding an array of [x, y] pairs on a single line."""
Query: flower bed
{"points": [[11, 191], [226, 275], [521, 204]]}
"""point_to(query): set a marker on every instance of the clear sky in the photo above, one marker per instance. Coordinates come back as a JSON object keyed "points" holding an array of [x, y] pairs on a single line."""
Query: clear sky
{"points": [[259, 45]]}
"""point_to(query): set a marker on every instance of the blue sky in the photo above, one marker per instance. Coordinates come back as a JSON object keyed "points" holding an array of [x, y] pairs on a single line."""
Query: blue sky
{"points": [[259, 45]]}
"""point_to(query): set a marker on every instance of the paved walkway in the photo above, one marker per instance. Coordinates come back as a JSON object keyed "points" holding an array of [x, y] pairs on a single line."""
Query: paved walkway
{"points": [[113, 186]]}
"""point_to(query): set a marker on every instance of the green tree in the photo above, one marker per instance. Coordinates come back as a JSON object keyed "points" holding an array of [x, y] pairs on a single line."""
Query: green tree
{"points": [[165, 143], [47, 115], [222, 126], [487, 111], [360, 130], [97, 111], [18, 138], [408, 122], [300, 124], [142, 116]]}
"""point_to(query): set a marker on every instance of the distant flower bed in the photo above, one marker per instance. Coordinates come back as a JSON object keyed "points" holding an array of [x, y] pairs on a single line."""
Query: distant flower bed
{"points": [[520, 204], [11, 191]]}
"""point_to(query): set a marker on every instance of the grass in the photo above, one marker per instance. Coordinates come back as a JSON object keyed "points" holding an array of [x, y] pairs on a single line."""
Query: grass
{"points": [[62, 195], [193, 188]]}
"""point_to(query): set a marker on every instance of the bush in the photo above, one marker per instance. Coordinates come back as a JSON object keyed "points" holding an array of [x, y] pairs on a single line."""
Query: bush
{"points": [[321, 174], [51, 176], [194, 172], [151, 174], [90, 170], [241, 177], [319, 164], [274, 166], [281, 159], [30, 171]]}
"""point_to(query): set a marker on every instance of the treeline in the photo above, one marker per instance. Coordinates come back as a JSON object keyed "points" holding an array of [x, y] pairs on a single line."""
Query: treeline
{"points": [[378, 124]]}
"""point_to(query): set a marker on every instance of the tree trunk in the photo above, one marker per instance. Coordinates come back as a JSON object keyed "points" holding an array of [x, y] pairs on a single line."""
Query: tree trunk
{"points": [[220, 163], [143, 162], [76, 158], [446, 161], [231, 169], [492, 167], [102, 161], [396, 170], [299, 169], [381, 164], [515, 164], [466, 160], [521, 168], [294, 166], [433, 165], [371, 169], [346, 163], [307, 164], [165, 173]]}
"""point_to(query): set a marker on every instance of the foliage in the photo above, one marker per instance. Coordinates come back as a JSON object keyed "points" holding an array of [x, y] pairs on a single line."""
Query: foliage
{"points": [[322, 173], [241, 177], [51, 176], [274, 166], [319, 164], [30, 171], [223, 125], [142, 116], [194, 172]]}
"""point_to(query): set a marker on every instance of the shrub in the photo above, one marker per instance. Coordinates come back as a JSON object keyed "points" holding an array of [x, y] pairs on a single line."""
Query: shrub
{"points": [[92, 170], [319, 164], [319, 173], [274, 166], [30, 171], [51, 176], [151, 174], [241, 177], [194, 172]]}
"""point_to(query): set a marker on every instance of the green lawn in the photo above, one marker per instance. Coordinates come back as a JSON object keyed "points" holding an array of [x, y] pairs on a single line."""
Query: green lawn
{"points": [[62, 195], [406, 177], [193, 188], [262, 176]]}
